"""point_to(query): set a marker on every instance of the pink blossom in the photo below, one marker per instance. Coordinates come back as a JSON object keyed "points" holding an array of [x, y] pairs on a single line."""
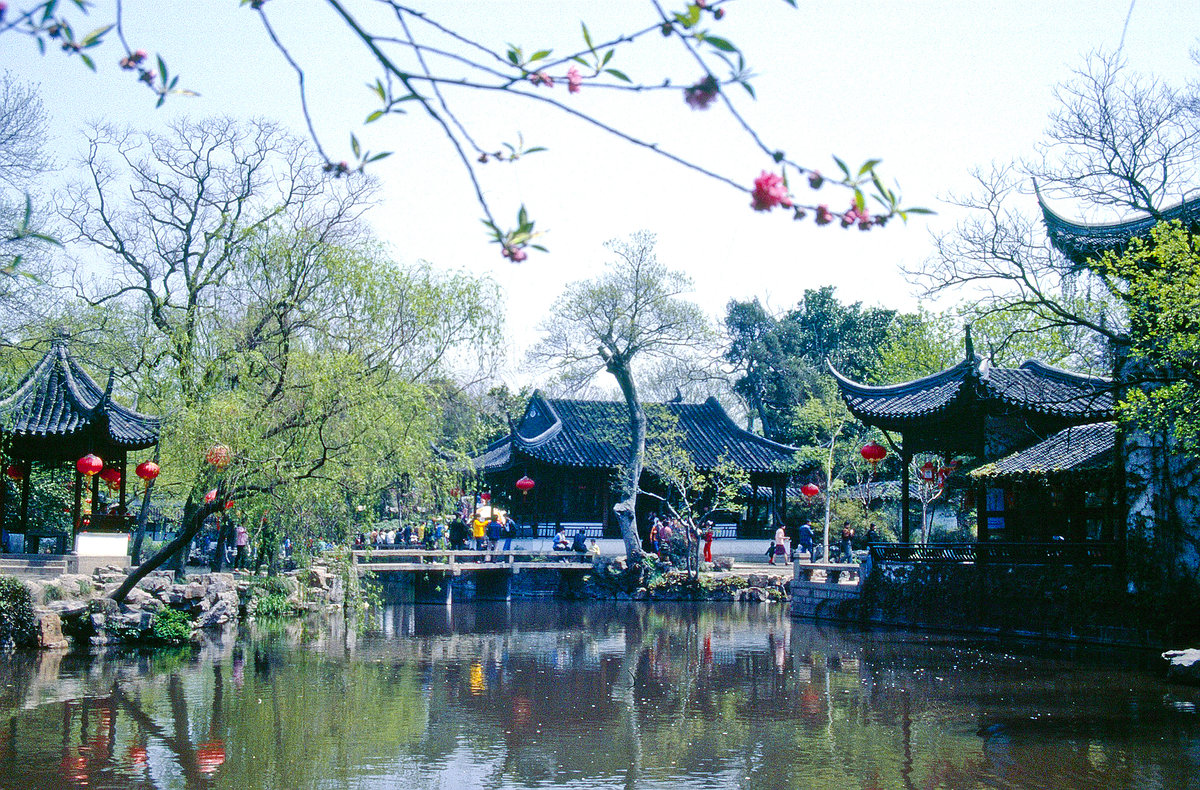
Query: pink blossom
{"points": [[574, 80], [769, 192], [824, 215], [702, 94], [541, 78], [513, 253]]}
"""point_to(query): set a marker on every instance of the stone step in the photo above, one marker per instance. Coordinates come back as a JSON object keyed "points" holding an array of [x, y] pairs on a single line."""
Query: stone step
{"points": [[32, 566]]}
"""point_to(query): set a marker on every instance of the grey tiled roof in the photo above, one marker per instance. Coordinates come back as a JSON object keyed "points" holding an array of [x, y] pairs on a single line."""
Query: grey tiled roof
{"points": [[57, 398], [594, 434], [1033, 387], [1075, 449], [1083, 242]]}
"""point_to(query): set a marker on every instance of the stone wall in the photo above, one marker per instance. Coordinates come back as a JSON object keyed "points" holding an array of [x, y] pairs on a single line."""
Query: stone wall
{"points": [[1056, 601]]}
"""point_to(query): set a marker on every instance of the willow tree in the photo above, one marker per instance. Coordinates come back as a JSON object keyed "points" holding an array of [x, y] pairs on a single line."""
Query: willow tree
{"points": [[632, 314], [319, 368]]}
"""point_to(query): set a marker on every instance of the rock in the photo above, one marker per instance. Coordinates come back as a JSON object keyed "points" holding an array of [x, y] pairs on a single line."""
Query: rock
{"points": [[49, 626], [193, 591], [318, 578], [68, 609], [220, 613], [138, 597], [723, 563], [754, 594], [155, 583], [641, 594], [1183, 666], [758, 580], [623, 596], [98, 621]]}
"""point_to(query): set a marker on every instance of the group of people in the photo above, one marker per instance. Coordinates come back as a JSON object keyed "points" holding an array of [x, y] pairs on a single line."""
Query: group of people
{"points": [[579, 543], [410, 536], [663, 529], [806, 539]]}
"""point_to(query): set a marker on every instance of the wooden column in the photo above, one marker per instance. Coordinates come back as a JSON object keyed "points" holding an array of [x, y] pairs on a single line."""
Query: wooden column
{"points": [[25, 500], [121, 506], [981, 522], [77, 508], [3, 506], [905, 496]]}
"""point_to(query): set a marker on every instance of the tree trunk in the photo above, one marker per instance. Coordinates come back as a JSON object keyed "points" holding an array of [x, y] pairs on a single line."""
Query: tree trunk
{"points": [[224, 533], [191, 525], [626, 509], [139, 535]]}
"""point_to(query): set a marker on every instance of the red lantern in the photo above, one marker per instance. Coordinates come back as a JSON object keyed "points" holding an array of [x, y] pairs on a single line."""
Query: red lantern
{"points": [[15, 472], [485, 497], [873, 453], [928, 470], [147, 470], [218, 455], [211, 496], [525, 484], [229, 504], [89, 465], [810, 490], [111, 475]]}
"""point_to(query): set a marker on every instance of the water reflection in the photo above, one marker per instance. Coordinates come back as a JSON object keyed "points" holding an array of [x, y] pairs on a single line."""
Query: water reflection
{"points": [[563, 695]]}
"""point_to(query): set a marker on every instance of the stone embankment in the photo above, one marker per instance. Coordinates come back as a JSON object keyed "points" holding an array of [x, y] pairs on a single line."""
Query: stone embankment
{"points": [[612, 579], [161, 610]]}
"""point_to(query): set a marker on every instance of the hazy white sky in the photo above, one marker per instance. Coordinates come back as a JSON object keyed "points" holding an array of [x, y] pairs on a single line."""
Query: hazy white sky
{"points": [[932, 88]]}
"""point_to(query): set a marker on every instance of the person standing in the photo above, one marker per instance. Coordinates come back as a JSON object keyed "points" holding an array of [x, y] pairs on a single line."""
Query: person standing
{"points": [[708, 539], [243, 547], [805, 538], [479, 532], [780, 546], [654, 533], [847, 542], [872, 535]]}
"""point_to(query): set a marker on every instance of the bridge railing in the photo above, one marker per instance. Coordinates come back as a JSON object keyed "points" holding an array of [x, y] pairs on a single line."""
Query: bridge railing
{"points": [[1002, 553], [453, 557]]}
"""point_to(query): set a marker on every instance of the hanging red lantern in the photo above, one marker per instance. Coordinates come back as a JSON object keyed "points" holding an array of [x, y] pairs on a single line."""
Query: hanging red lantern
{"points": [[147, 470], [873, 452], [89, 465], [928, 471], [15, 472], [111, 475], [218, 455], [211, 496], [485, 497], [525, 484], [229, 504], [810, 490]]}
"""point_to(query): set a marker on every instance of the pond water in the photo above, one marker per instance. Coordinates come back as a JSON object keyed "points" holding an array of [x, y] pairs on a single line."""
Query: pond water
{"points": [[595, 696]]}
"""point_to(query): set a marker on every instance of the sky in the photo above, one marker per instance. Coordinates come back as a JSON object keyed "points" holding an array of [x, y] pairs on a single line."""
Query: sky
{"points": [[934, 89]]}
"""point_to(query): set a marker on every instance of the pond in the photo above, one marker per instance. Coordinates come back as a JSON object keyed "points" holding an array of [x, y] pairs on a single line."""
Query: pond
{"points": [[544, 694]]}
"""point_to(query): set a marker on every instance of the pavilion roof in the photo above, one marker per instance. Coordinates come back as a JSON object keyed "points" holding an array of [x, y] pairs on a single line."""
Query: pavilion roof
{"points": [[1084, 242], [594, 434], [58, 400], [1079, 448], [1032, 388]]}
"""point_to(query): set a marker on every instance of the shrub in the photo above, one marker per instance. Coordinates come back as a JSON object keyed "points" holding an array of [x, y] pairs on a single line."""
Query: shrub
{"points": [[271, 585], [18, 625], [171, 626], [273, 605], [85, 588], [53, 593]]}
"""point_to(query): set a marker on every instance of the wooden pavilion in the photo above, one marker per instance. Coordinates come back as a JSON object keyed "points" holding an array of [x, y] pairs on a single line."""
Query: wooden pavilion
{"points": [[56, 415], [573, 449], [981, 412]]}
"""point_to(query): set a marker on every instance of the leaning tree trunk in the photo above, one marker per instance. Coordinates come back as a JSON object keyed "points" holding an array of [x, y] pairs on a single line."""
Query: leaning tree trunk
{"points": [[626, 509], [191, 525]]}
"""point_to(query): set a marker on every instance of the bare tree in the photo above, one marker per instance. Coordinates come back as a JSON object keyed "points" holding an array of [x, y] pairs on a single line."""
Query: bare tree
{"points": [[630, 314], [1120, 139], [171, 215]]}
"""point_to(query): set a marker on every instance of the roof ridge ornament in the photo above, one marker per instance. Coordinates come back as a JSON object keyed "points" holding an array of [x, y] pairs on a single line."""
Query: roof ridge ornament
{"points": [[970, 346]]}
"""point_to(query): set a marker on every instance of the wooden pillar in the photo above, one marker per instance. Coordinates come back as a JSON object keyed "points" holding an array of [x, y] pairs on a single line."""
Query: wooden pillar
{"points": [[121, 506], [981, 522], [77, 508], [905, 494], [25, 500], [95, 479], [3, 507]]}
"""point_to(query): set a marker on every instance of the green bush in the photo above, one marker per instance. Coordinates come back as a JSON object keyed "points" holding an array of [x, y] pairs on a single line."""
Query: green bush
{"points": [[18, 625], [171, 626], [53, 593], [273, 605], [271, 585]]}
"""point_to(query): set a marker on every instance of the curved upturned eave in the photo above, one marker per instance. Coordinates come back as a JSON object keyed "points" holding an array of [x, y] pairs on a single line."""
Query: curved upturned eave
{"points": [[1107, 236], [763, 441]]}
